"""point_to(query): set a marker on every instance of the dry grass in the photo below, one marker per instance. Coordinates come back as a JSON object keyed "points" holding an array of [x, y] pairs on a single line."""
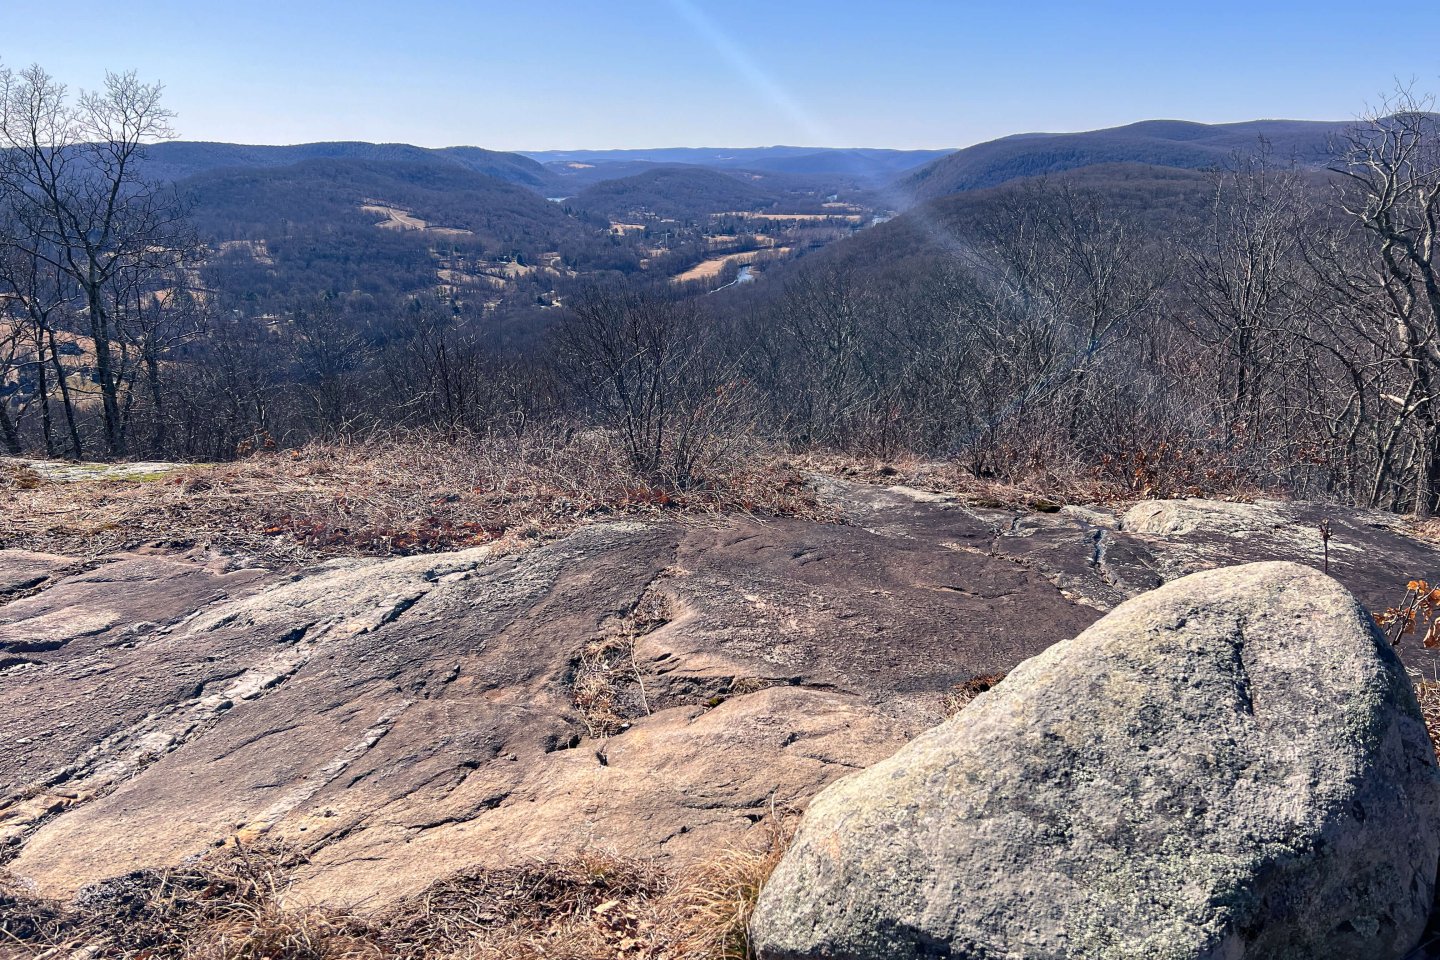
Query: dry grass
{"points": [[381, 498], [714, 904], [1428, 693], [1042, 485], [606, 681], [230, 906], [713, 267], [593, 906], [235, 904], [1036, 490], [424, 494], [961, 695]]}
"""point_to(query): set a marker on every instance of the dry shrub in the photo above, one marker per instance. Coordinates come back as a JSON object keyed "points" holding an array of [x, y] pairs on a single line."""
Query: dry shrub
{"points": [[1418, 614], [714, 902], [414, 495], [1419, 610], [1165, 470], [962, 694]]}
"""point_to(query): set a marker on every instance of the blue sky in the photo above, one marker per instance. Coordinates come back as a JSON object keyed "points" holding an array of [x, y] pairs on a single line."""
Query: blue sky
{"points": [[530, 74]]}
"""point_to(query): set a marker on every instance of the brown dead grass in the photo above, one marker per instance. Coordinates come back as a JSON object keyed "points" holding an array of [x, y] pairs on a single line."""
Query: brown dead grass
{"points": [[236, 904], [715, 902], [1042, 486], [607, 684], [594, 906], [712, 268], [229, 906], [382, 498], [1428, 693], [962, 694]]}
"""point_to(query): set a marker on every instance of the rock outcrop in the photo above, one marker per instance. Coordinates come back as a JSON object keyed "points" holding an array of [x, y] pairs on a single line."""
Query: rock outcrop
{"points": [[1232, 766], [399, 720]]}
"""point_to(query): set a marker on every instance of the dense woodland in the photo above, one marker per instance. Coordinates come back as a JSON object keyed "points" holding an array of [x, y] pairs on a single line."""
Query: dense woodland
{"points": [[1266, 317]]}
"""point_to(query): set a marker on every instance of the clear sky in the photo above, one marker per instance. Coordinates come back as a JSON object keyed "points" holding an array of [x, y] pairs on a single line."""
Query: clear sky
{"points": [[554, 74]]}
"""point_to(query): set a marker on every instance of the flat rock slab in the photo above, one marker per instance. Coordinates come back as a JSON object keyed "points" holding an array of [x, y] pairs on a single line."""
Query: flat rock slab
{"points": [[403, 719], [22, 570], [61, 471]]}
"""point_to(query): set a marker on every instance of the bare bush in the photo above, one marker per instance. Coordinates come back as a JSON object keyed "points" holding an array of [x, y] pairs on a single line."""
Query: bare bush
{"points": [[647, 365]]}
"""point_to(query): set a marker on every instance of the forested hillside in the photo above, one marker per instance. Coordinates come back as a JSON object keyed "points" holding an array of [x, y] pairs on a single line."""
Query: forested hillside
{"points": [[681, 193], [1162, 143], [175, 160]]}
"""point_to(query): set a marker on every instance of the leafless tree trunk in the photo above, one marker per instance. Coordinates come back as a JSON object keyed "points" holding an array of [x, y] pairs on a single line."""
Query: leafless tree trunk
{"points": [[72, 170], [1391, 168]]}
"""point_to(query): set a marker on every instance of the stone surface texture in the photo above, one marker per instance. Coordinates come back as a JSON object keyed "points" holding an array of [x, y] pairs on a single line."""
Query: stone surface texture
{"points": [[402, 719], [1231, 766]]}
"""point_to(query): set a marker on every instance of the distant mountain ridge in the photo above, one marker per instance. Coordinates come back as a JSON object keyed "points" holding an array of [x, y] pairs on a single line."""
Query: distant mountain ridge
{"points": [[863, 163], [179, 159], [553, 173], [1180, 144], [918, 175]]}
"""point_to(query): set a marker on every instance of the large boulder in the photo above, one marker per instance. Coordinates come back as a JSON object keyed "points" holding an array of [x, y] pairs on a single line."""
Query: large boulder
{"points": [[1231, 767]]}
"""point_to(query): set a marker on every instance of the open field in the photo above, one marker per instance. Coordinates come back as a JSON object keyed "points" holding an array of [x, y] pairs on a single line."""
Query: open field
{"points": [[397, 219], [255, 249], [793, 217], [713, 267]]}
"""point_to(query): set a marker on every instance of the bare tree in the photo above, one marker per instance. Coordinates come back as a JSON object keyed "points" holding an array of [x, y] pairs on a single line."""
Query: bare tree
{"points": [[11, 358], [1391, 171], [36, 298], [1068, 278], [332, 357], [645, 364], [72, 171], [1248, 296]]}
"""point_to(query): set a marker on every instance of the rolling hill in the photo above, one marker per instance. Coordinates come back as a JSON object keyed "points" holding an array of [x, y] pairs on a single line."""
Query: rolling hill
{"points": [[179, 159], [380, 228], [1161, 143]]}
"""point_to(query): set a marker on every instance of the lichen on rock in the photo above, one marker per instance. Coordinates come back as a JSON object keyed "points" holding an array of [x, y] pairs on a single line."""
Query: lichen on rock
{"points": [[1232, 766]]}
